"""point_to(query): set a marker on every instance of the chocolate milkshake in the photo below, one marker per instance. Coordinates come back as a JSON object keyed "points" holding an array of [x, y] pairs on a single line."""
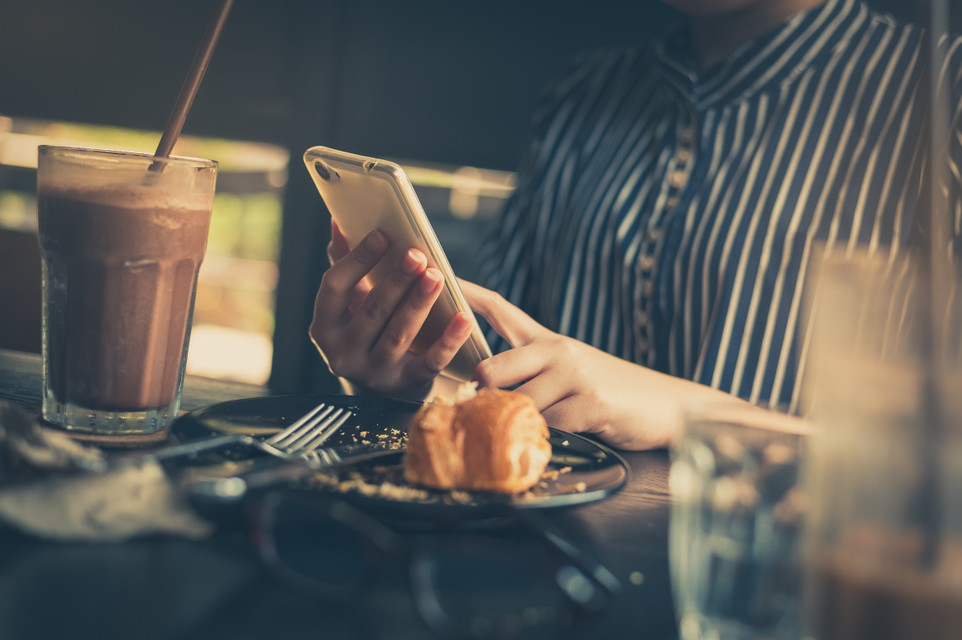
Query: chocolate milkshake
{"points": [[121, 248]]}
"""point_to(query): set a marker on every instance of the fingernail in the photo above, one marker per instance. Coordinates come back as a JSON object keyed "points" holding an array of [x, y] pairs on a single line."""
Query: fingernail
{"points": [[412, 261], [464, 324], [430, 279]]}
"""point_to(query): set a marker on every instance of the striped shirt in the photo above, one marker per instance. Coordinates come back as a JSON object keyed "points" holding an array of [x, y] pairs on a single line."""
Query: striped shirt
{"points": [[668, 217]]}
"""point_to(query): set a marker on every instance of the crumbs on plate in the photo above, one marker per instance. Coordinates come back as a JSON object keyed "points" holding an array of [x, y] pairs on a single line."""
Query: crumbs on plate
{"points": [[388, 482], [394, 438], [552, 474]]}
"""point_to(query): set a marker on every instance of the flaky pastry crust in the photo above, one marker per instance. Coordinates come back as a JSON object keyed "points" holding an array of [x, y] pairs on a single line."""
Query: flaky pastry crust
{"points": [[494, 441]]}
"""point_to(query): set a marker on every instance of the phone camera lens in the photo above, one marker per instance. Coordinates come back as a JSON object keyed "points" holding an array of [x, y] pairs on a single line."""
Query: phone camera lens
{"points": [[325, 172]]}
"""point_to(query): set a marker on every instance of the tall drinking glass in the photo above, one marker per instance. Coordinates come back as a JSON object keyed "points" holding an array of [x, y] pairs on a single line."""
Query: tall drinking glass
{"points": [[122, 236], [883, 543]]}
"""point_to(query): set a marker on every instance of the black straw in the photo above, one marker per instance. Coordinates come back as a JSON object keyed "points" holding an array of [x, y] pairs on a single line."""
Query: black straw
{"points": [[191, 83]]}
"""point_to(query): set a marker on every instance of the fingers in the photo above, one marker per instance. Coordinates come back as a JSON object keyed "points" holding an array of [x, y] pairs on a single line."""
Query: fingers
{"points": [[409, 314], [343, 288], [570, 414], [539, 369], [400, 292], [513, 324], [366, 332], [347, 272], [531, 370], [439, 355], [338, 247], [542, 372], [548, 388], [348, 313]]}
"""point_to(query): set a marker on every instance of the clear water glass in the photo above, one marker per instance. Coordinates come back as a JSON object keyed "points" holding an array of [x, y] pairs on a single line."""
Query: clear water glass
{"points": [[736, 522]]}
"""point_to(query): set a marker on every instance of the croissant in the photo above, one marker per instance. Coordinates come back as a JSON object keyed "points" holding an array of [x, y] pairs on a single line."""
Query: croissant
{"points": [[494, 441]]}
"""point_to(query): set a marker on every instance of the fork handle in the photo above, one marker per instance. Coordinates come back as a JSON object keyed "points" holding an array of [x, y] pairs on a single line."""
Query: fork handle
{"points": [[193, 447], [270, 473]]}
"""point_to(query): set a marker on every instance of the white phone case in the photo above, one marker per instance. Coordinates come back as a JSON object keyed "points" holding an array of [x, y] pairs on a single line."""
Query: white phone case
{"points": [[363, 194]]}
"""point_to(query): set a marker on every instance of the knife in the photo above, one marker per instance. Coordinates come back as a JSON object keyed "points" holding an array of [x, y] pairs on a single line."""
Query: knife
{"points": [[271, 472]]}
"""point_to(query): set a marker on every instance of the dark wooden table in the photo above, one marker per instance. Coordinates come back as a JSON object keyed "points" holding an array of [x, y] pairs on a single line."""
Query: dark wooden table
{"points": [[169, 588]]}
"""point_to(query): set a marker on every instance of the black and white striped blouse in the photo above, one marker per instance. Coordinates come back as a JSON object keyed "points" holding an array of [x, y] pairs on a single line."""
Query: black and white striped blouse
{"points": [[668, 217]]}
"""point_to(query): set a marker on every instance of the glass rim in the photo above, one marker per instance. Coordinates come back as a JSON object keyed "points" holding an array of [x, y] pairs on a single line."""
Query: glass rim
{"points": [[68, 151], [743, 415]]}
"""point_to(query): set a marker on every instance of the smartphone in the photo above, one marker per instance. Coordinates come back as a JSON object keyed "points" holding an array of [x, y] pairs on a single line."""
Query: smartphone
{"points": [[363, 194]]}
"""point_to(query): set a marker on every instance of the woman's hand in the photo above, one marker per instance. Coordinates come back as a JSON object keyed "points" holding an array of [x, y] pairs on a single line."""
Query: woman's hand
{"points": [[578, 387], [364, 333]]}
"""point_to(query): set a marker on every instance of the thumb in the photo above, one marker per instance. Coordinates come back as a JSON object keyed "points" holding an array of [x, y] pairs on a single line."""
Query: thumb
{"points": [[511, 323]]}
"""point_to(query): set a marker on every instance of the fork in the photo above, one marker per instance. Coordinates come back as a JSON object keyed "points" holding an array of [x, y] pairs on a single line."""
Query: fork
{"points": [[302, 437], [307, 434]]}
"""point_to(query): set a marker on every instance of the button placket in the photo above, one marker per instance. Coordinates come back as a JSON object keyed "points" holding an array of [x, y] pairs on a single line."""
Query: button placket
{"points": [[680, 164], [676, 180], [643, 293], [684, 153]]}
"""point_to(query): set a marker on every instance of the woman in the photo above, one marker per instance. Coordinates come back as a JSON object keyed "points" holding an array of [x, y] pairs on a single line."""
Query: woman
{"points": [[665, 217]]}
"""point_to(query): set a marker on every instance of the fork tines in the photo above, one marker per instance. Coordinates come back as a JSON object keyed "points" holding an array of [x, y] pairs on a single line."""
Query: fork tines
{"points": [[311, 430]]}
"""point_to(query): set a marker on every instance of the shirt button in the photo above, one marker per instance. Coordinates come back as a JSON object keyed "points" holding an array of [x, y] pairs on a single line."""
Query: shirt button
{"points": [[641, 317], [646, 261], [671, 202], [647, 288], [677, 178], [654, 233], [683, 155], [686, 134], [642, 344]]}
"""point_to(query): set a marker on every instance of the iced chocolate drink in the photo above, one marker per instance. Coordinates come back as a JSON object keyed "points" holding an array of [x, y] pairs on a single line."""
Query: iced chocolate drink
{"points": [[122, 244]]}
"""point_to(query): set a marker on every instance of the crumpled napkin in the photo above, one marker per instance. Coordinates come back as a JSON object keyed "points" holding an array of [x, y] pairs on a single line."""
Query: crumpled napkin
{"points": [[56, 488]]}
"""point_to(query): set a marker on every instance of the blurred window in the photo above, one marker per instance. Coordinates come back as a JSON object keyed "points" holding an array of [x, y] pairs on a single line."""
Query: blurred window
{"points": [[233, 326], [234, 309]]}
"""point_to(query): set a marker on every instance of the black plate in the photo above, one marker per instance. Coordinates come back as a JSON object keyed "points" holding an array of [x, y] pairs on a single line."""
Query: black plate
{"points": [[580, 471]]}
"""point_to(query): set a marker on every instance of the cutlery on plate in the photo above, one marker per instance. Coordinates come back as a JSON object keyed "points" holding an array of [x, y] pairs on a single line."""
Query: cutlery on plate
{"points": [[272, 472], [301, 437]]}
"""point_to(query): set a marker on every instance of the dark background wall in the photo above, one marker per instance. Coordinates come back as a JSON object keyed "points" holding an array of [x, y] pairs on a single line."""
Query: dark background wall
{"points": [[437, 80], [432, 80]]}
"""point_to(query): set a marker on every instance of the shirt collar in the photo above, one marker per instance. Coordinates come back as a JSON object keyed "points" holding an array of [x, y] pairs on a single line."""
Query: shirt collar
{"points": [[769, 60]]}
